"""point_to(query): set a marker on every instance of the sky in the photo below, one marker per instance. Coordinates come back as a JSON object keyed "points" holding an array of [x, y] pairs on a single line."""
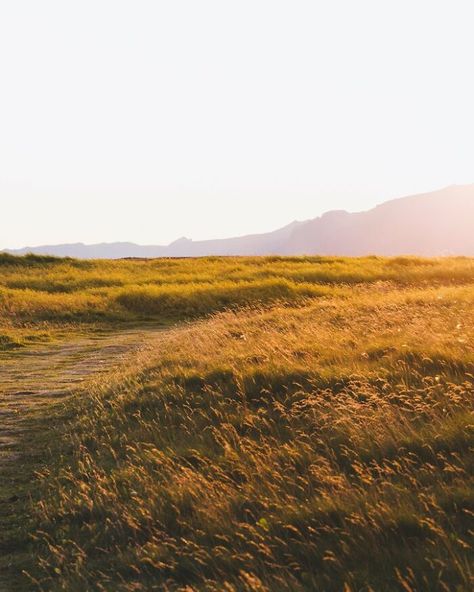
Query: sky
{"points": [[148, 120]]}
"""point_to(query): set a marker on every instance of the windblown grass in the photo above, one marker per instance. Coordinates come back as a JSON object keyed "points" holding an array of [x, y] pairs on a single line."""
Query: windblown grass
{"points": [[321, 447]]}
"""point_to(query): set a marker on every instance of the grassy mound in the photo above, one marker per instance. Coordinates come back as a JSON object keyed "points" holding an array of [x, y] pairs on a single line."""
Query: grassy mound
{"points": [[197, 300]]}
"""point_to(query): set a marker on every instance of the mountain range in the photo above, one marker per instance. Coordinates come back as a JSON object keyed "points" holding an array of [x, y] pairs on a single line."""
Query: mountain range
{"points": [[430, 224]]}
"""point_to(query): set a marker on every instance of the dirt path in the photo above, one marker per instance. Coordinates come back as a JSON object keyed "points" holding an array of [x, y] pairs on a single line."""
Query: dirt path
{"points": [[31, 380]]}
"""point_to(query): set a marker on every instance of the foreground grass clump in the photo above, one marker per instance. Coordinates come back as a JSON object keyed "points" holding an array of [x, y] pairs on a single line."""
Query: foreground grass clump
{"points": [[324, 447]]}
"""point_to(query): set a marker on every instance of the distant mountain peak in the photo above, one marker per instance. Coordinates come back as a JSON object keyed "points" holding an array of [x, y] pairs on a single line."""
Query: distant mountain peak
{"points": [[180, 241]]}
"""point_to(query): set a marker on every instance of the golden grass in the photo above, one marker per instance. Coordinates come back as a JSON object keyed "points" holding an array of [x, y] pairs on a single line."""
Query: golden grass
{"points": [[321, 447], [46, 289]]}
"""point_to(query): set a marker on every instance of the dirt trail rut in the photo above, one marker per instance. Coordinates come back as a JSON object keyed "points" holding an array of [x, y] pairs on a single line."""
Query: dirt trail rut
{"points": [[31, 380]]}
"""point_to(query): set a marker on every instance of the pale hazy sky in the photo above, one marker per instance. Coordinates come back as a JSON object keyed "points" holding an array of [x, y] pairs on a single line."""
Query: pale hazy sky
{"points": [[145, 120]]}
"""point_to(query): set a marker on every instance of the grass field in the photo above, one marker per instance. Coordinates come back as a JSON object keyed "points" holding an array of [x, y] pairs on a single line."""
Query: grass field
{"points": [[300, 424]]}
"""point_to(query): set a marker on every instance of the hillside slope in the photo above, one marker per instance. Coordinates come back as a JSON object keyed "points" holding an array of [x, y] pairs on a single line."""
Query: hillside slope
{"points": [[431, 224]]}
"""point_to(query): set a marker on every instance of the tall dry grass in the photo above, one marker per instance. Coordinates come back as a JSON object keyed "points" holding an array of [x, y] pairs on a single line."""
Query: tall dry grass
{"points": [[325, 447]]}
